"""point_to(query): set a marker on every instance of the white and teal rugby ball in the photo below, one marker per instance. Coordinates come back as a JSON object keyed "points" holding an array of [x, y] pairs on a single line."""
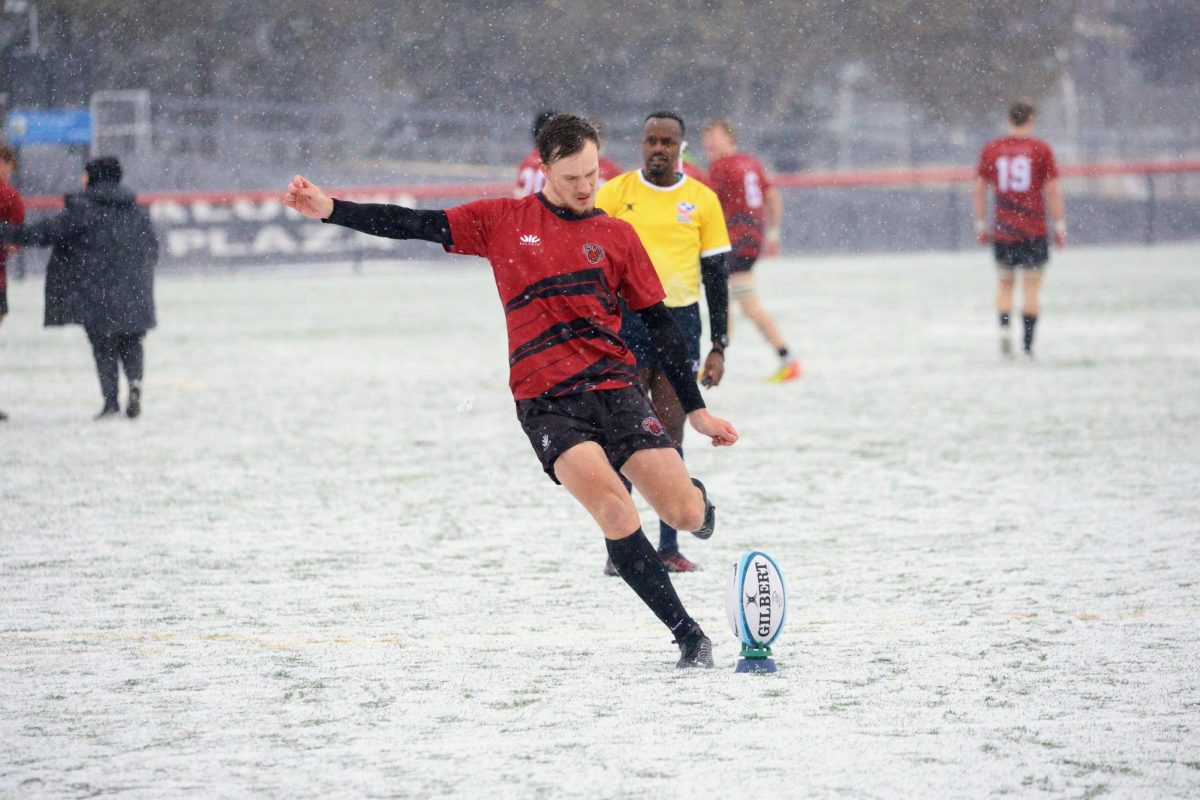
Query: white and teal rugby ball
{"points": [[755, 599]]}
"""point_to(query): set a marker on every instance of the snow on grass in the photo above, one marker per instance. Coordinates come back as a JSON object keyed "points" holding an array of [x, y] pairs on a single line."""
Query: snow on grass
{"points": [[326, 563]]}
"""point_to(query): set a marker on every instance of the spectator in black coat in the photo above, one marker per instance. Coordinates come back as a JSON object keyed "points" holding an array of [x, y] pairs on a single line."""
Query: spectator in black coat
{"points": [[100, 274]]}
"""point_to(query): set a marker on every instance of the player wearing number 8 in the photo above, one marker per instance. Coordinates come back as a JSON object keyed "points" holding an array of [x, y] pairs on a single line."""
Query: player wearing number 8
{"points": [[1021, 171], [754, 212]]}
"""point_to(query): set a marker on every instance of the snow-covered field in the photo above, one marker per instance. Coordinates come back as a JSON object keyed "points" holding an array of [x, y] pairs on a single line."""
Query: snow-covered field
{"points": [[325, 562]]}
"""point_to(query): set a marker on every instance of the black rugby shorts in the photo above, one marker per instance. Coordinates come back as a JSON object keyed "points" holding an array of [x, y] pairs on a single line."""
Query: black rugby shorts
{"points": [[619, 420], [1026, 254]]}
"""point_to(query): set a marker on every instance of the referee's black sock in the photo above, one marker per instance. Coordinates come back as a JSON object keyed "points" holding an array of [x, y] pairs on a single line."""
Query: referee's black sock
{"points": [[1030, 321], [1004, 320], [638, 563]]}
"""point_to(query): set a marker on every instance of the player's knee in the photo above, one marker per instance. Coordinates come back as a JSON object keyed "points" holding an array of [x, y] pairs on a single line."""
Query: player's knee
{"points": [[615, 512], [685, 511]]}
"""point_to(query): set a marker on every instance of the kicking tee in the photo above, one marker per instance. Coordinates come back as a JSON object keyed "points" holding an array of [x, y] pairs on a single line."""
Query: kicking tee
{"points": [[678, 225], [559, 276]]}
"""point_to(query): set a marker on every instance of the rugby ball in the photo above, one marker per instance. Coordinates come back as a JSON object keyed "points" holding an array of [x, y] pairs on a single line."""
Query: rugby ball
{"points": [[755, 599]]}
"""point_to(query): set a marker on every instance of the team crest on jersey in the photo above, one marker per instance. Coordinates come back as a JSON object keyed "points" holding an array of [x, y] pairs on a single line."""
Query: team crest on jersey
{"points": [[652, 425], [684, 211], [594, 253]]}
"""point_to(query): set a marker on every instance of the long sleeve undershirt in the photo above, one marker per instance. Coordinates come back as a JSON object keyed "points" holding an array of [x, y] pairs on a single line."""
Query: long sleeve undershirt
{"points": [[716, 292], [392, 222]]}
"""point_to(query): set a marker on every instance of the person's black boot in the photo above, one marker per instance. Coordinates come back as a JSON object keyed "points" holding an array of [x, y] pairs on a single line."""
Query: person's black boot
{"points": [[134, 406], [110, 408], [695, 649], [710, 515]]}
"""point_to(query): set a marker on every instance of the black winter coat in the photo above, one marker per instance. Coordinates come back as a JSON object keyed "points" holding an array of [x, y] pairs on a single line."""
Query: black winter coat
{"points": [[101, 268]]}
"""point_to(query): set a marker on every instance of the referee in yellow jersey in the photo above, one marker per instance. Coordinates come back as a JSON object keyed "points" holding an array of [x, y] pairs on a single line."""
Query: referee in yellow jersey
{"points": [[682, 227]]}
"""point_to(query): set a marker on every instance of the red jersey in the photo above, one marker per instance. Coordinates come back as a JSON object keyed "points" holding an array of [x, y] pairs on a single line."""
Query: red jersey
{"points": [[530, 178], [559, 276], [693, 171], [608, 170], [12, 210], [1017, 167], [741, 183]]}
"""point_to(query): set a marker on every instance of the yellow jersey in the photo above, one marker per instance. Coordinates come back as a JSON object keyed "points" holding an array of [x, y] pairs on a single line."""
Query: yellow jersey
{"points": [[678, 226]]}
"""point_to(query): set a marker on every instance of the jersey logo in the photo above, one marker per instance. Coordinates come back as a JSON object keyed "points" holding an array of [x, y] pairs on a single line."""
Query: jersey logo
{"points": [[594, 252], [629, 206], [652, 425], [684, 211], [530, 238]]}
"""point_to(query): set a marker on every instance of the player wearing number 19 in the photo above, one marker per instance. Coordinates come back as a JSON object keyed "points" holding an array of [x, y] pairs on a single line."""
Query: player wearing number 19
{"points": [[561, 268], [1019, 168]]}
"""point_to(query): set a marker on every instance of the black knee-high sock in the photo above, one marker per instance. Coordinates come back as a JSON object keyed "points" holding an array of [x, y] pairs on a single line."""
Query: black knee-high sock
{"points": [[638, 563], [1004, 320], [1030, 321]]}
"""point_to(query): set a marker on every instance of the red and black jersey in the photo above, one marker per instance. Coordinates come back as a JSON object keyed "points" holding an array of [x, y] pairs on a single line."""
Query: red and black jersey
{"points": [[693, 171], [559, 276], [12, 210], [741, 183], [1017, 167], [608, 170], [530, 178]]}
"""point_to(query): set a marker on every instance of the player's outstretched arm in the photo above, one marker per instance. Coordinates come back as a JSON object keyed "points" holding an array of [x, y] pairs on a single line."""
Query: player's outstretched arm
{"points": [[306, 197], [720, 431]]}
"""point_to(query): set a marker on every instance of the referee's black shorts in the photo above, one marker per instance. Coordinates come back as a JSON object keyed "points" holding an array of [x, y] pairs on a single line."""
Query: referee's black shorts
{"points": [[619, 420]]}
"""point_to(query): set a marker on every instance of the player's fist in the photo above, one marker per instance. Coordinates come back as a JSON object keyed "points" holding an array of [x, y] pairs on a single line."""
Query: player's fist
{"points": [[307, 198], [720, 431]]}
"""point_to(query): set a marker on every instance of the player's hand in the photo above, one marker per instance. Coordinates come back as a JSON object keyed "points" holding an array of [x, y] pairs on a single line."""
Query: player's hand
{"points": [[307, 198], [720, 431], [714, 369], [983, 237], [771, 248], [1060, 239]]}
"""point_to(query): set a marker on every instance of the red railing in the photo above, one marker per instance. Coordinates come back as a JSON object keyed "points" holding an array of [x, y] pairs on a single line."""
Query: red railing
{"points": [[792, 180]]}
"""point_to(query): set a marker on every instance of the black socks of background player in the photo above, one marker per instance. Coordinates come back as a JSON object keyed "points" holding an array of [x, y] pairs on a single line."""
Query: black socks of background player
{"points": [[638, 563], [1030, 321]]}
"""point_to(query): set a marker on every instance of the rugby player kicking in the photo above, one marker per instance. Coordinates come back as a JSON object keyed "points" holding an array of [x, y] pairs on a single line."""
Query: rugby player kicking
{"points": [[561, 267]]}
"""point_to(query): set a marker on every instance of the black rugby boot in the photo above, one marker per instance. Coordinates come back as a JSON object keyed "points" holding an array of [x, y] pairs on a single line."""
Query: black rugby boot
{"points": [[710, 514], [110, 409], [134, 406], [695, 649]]}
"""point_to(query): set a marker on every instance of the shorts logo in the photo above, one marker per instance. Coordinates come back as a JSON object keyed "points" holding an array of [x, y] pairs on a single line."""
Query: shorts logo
{"points": [[652, 425], [684, 211], [530, 238], [594, 252], [545, 441]]}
